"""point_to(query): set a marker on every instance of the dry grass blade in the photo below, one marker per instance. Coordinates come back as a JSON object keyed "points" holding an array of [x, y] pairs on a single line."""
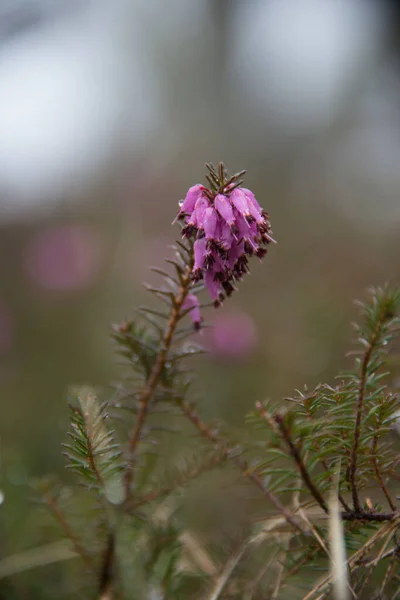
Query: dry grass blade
{"points": [[36, 557], [387, 529], [227, 571], [339, 570], [198, 555]]}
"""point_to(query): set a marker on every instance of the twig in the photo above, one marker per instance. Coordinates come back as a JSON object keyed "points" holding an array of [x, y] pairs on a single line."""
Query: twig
{"points": [[279, 577], [227, 450], [362, 515], [279, 425], [359, 413], [198, 554], [252, 586], [227, 571], [37, 557], [107, 569], [388, 575], [371, 565], [58, 514]]}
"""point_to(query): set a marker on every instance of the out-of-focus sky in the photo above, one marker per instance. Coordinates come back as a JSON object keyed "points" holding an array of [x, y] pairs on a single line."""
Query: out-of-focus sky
{"points": [[88, 85]]}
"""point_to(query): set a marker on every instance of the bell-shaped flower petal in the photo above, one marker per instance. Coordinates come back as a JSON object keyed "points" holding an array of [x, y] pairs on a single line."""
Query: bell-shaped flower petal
{"points": [[191, 303], [210, 222], [224, 207], [194, 193], [240, 202], [254, 208], [199, 253], [214, 287], [199, 211]]}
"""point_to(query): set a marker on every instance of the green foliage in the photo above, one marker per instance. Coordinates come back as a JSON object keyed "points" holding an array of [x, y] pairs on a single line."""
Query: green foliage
{"points": [[92, 452], [327, 457], [319, 426], [338, 437]]}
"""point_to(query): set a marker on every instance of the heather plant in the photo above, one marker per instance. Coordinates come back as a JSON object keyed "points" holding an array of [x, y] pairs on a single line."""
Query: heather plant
{"points": [[320, 469]]}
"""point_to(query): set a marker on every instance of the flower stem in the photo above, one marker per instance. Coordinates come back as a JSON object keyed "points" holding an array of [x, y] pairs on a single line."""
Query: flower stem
{"points": [[148, 390]]}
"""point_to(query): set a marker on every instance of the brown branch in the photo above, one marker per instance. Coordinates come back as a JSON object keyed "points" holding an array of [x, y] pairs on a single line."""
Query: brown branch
{"points": [[359, 413], [147, 392], [366, 516], [60, 517], [107, 569], [279, 426], [305, 475], [228, 451]]}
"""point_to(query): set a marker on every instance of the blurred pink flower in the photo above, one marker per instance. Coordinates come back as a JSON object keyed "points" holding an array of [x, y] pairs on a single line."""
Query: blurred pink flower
{"points": [[6, 329], [233, 336], [64, 257]]}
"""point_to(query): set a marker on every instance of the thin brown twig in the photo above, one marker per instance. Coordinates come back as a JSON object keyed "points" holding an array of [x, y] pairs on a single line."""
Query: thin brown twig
{"points": [[371, 565], [60, 517], [280, 574], [147, 392], [300, 464], [224, 576], [359, 413], [215, 439], [362, 515], [388, 574], [279, 425]]}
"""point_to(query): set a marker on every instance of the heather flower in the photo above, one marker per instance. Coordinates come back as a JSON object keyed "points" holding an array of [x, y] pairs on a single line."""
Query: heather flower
{"points": [[229, 226], [210, 223], [189, 203], [225, 209]]}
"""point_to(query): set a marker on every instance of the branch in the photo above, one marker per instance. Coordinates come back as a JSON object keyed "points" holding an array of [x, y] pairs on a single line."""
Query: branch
{"points": [[279, 425], [228, 451], [362, 515], [60, 517], [360, 408], [147, 392]]}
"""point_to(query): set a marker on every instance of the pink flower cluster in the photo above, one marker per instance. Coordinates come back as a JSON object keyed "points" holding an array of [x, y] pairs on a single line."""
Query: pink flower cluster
{"points": [[229, 228]]}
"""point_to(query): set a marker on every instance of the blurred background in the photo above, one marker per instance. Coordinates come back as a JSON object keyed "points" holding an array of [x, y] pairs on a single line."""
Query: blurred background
{"points": [[108, 111]]}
